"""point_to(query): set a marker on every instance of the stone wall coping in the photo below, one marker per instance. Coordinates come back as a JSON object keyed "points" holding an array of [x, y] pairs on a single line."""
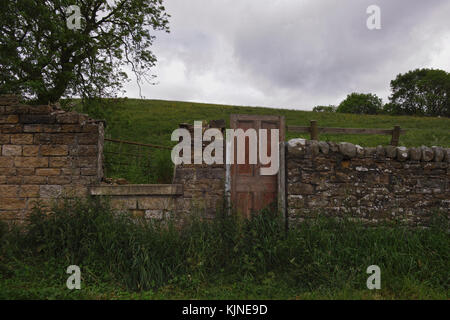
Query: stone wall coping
{"points": [[348, 150], [137, 190], [41, 114]]}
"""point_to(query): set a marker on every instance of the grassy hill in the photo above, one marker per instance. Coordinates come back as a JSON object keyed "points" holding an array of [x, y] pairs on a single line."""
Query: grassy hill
{"points": [[152, 121]]}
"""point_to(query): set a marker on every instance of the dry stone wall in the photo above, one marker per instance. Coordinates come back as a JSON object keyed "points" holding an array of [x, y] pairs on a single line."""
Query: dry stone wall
{"points": [[382, 183], [45, 153], [204, 185]]}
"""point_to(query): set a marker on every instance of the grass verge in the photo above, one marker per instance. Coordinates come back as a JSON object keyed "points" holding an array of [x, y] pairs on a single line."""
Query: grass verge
{"points": [[228, 258]]}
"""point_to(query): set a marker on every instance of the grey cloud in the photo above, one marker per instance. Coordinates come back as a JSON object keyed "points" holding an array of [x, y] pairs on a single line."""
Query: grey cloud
{"points": [[299, 52]]}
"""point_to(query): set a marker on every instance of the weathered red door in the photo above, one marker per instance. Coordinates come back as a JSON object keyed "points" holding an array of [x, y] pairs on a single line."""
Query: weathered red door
{"points": [[251, 191]]}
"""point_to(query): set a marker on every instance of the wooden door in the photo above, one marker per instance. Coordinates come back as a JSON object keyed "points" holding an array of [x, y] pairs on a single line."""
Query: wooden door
{"points": [[251, 191]]}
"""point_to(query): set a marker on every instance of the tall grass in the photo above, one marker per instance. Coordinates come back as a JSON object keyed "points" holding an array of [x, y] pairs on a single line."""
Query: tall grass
{"points": [[322, 254]]}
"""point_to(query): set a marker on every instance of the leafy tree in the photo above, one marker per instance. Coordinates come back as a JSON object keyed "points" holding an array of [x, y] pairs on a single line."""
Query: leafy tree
{"points": [[421, 92], [43, 59], [361, 103], [329, 108]]}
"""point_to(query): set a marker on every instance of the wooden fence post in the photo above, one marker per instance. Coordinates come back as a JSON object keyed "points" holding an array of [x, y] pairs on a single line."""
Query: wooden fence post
{"points": [[314, 130], [395, 136]]}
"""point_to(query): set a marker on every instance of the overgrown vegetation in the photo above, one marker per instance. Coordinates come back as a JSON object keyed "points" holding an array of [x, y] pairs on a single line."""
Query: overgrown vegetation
{"points": [[121, 257]]}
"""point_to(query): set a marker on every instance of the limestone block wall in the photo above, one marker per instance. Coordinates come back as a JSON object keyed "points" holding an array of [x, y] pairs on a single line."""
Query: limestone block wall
{"points": [[203, 185], [203, 188], [373, 184], [151, 201], [45, 153]]}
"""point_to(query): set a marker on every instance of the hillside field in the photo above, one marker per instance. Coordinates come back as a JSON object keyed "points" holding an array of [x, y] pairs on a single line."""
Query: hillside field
{"points": [[153, 121]]}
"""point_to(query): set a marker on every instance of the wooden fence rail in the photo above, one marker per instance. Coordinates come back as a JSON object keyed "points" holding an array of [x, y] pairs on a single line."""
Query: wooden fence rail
{"points": [[138, 144], [314, 131]]}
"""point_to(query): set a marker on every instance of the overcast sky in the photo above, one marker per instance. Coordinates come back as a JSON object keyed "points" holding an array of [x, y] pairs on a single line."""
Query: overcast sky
{"points": [[293, 53]]}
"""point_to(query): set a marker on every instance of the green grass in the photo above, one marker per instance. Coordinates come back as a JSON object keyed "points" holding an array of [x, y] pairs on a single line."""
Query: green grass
{"points": [[153, 121], [228, 258]]}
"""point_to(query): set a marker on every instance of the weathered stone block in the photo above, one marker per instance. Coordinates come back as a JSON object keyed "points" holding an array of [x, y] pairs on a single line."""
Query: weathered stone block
{"points": [[5, 138], [39, 109], [370, 152], [90, 127], [54, 150], [60, 162], [35, 180], [62, 180], [85, 162], [296, 201], [11, 150], [10, 128], [88, 171], [438, 153], [137, 213], [415, 154], [37, 118], [123, 203], [50, 191], [32, 128], [67, 118], [48, 172], [324, 147], [71, 128], [380, 152], [14, 180], [160, 203], [85, 150], [22, 138], [402, 153], [75, 190], [88, 138], [301, 189], [334, 147], [27, 191], [391, 152], [30, 151], [359, 151], [31, 162], [9, 118], [12, 203], [347, 149], [9, 191], [154, 214], [313, 147], [427, 153], [25, 171]]}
